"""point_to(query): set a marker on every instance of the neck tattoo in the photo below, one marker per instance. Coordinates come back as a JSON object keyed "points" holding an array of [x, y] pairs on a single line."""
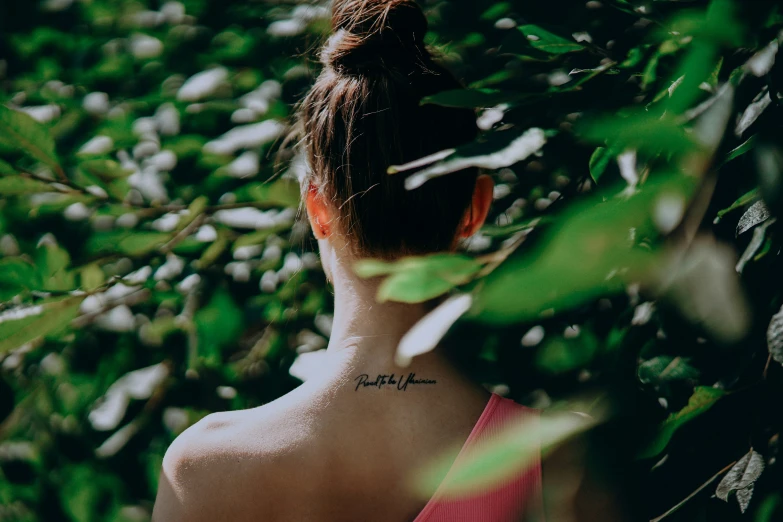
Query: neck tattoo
{"points": [[401, 382]]}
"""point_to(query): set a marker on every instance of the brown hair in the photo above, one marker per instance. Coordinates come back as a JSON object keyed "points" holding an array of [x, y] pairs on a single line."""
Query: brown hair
{"points": [[364, 114]]}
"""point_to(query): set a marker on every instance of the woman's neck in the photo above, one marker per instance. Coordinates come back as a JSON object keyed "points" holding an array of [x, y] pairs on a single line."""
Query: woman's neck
{"points": [[369, 328]]}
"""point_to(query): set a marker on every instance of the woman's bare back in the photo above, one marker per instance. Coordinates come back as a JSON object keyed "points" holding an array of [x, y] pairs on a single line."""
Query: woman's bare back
{"points": [[341, 448]]}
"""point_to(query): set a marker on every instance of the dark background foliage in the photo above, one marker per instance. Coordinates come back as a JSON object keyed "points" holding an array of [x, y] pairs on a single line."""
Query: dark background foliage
{"points": [[637, 156]]}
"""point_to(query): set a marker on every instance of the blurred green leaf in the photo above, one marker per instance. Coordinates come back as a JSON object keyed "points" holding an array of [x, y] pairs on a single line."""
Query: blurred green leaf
{"points": [[91, 277], [510, 454], [592, 250], [16, 276], [218, 324], [418, 279], [560, 355], [6, 169], [282, 192], [641, 131]]}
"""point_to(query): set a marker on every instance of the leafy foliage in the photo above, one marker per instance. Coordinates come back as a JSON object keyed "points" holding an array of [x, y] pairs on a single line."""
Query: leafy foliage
{"points": [[153, 269]]}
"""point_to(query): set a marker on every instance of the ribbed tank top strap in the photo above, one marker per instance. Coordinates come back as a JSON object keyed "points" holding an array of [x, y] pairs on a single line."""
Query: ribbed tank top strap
{"points": [[503, 501]]}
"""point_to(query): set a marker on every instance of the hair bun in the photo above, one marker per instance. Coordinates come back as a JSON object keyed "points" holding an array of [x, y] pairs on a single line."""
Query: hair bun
{"points": [[375, 34]]}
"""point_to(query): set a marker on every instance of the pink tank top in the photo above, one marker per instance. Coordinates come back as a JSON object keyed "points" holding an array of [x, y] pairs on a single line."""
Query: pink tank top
{"points": [[506, 502]]}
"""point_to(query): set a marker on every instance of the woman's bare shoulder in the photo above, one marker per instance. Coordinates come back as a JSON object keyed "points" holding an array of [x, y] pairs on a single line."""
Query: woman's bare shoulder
{"points": [[229, 466]]}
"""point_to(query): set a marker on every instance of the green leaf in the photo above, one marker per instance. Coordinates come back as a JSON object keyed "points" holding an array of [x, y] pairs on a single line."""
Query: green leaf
{"points": [[6, 169], [24, 324], [367, 268], [131, 243], [19, 131], [105, 169], [548, 42], [768, 508], [16, 276], [496, 11], [472, 98], [17, 186], [213, 251], [53, 263], [412, 287], [560, 355], [92, 277], [703, 399], [599, 160], [742, 201], [642, 131], [738, 151]]}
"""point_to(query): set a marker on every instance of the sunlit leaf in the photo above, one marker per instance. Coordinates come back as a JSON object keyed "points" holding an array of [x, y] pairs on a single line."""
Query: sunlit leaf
{"points": [[509, 453], [20, 132], [283, 192], [17, 185], [424, 336], [502, 150], [756, 213], [23, 324]]}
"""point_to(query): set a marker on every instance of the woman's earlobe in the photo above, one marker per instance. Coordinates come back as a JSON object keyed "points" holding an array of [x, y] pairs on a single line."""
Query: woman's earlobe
{"points": [[317, 212]]}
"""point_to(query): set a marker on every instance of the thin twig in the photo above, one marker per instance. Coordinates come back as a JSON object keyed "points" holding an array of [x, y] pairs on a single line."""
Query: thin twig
{"points": [[696, 492], [182, 234]]}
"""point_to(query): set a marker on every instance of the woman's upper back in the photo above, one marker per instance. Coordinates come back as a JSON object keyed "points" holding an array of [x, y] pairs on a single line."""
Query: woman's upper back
{"points": [[320, 457]]}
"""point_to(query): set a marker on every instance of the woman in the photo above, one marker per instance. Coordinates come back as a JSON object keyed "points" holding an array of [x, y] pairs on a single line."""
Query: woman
{"points": [[343, 446]]}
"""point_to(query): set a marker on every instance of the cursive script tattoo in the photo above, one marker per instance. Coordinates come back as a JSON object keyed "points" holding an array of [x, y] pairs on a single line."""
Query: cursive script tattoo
{"points": [[401, 381]]}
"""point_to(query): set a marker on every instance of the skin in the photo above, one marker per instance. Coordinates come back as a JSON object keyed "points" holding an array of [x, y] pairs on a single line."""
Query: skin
{"points": [[328, 451]]}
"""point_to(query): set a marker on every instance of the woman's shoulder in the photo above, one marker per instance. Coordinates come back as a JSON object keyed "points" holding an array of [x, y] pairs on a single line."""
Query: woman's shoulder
{"points": [[226, 465]]}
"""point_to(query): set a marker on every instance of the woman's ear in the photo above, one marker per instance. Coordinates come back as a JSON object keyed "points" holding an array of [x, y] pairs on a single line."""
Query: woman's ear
{"points": [[318, 213], [479, 206]]}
